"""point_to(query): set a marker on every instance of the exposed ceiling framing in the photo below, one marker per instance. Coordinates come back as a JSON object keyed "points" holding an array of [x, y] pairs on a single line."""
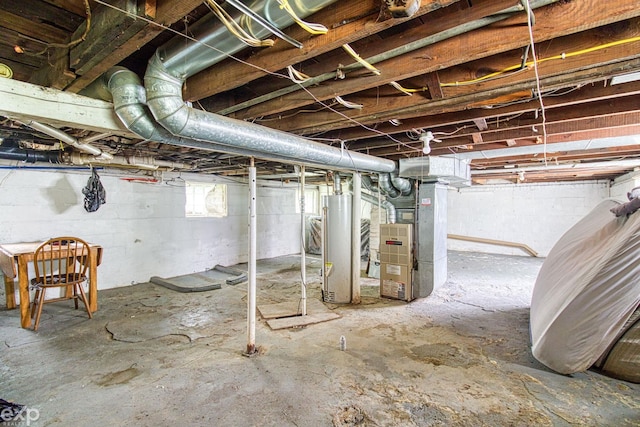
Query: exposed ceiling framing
{"points": [[469, 69]]}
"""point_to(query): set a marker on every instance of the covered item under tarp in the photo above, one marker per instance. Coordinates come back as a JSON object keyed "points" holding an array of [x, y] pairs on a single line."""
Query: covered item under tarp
{"points": [[587, 288]]}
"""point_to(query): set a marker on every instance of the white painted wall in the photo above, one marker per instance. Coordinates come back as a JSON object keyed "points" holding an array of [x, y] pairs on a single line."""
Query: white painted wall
{"points": [[142, 227], [534, 214]]}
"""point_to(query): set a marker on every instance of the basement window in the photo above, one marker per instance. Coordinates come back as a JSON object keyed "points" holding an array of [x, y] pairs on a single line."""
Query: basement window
{"points": [[205, 200]]}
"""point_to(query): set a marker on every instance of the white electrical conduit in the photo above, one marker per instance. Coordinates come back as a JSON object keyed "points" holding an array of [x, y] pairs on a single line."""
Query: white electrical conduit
{"points": [[68, 139], [95, 155], [590, 144], [149, 163], [614, 164]]}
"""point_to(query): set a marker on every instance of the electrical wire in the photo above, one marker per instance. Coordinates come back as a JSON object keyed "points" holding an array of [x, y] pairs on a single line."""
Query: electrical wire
{"points": [[359, 59], [535, 69], [264, 70], [235, 28], [537, 61], [18, 49], [311, 28]]}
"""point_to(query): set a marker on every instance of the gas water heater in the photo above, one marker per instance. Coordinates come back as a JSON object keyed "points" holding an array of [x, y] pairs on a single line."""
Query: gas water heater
{"points": [[336, 248]]}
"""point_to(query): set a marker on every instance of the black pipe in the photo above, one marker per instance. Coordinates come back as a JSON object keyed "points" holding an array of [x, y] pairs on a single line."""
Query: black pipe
{"points": [[29, 156]]}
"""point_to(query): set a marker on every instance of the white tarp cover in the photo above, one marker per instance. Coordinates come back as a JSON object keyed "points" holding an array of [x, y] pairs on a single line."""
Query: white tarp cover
{"points": [[587, 288]]}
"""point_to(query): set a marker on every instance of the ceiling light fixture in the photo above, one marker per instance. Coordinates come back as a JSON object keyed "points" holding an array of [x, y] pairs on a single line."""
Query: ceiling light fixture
{"points": [[427, 137]]}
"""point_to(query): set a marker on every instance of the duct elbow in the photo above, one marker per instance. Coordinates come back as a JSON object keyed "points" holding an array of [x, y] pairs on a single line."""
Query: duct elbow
{"points": [[384, 184], [401, 184], [164, 97]]}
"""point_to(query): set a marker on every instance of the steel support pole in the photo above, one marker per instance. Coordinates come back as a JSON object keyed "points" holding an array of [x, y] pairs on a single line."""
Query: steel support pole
{"points": [[303, 259], [356, 234], [251, 286]]}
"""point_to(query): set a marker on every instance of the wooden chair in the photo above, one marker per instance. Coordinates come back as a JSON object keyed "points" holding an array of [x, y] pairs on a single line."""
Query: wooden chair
{"points": [[60, 262]]}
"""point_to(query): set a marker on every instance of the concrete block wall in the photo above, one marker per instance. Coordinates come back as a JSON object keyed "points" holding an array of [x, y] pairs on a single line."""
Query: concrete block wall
{"points": [[142, 227], [534, 214]]}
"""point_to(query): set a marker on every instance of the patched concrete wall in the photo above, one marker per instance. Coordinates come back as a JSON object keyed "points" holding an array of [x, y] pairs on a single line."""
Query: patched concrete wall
{"points": [[534, 214], [142, 227]]}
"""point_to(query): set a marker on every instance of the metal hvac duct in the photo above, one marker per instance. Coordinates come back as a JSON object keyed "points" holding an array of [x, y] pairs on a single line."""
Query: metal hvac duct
{"points": [[184, 126], [164, 98], [214, 43], [384, 184], [387, 205], [129, 100], [173, 63]]}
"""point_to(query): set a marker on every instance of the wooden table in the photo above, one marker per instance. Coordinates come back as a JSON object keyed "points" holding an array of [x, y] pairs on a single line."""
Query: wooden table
{"points": [[14, 261]]}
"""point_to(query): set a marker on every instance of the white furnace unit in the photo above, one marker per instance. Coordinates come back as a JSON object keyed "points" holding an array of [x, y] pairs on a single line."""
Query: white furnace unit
{"points": [[396, 261]]}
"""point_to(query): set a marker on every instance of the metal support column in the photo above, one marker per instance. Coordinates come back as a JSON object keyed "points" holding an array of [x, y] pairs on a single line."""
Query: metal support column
{"points": [[251, 286], [356, 234], [303, 259]]}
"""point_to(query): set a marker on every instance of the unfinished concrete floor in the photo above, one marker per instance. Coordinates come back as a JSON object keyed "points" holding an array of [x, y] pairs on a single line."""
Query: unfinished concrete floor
{"points": [[155, 357]]}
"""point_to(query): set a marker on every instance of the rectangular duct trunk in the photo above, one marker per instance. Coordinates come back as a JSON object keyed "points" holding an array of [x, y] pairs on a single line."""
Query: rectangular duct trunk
{"points": [[455, 172]]}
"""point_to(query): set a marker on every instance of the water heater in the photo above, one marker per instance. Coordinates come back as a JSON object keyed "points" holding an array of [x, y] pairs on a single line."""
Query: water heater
{"points": [[336, 248]]}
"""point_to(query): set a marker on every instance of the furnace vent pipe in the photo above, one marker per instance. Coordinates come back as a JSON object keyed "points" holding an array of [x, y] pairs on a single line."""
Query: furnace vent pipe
{"points": [[391, 184], [337, 184]]}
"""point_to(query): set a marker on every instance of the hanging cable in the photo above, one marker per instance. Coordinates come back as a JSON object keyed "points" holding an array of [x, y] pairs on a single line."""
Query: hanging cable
{"points": [[235, 29], [266, 71], [348, 104], [311, 28], [19, 49], [264, 23], [361, 61], [296, 76], [402, 89], [535, 69]]}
